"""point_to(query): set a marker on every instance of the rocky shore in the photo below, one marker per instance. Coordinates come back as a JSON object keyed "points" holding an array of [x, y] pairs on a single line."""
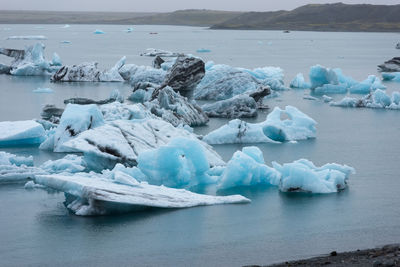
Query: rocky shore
{"points": [[388, 255]]}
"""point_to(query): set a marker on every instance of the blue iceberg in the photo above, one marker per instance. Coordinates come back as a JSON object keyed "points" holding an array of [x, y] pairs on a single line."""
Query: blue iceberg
{"points": [[21, 133]]}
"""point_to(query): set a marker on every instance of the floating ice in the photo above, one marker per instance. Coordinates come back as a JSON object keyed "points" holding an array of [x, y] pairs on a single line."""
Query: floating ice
{"points": [[56, 61], [30, 61], [365, 87], [98, 32], [95, 196], [309, 97], [320, 76], [66, 26], [139, 74], [65, 42], [303, 176], [223, 81], [19, 133], [203, 50], [43, 90], [129, 30], [392, 65], [70, 164], [298, 126], [327, 99], [88, 72], [331, 89], [391, 76], [299, 82], [181, 163], [376, 99], [240, 106], [74, 120], [247, 168], [16, 168], [27, 37], [152, 52], [122, 141]]}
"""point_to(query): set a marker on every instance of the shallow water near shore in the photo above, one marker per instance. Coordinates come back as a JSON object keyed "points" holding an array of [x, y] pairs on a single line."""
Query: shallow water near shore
{"points": [[36, 229]]}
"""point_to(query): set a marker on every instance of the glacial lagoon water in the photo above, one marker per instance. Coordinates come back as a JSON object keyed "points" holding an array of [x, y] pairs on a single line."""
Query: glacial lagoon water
{"points": [[37, 230]]}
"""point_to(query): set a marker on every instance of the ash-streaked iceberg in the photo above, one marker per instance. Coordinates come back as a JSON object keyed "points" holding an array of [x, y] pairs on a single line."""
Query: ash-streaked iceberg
{"points": [[21, 133], [153, 52], [86, 196], [392, 65], [298, 126], [223, 81], [89, 72]]}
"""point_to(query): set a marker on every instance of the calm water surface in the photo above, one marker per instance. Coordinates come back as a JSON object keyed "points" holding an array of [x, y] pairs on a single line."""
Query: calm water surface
{"points": [[36, 229]]}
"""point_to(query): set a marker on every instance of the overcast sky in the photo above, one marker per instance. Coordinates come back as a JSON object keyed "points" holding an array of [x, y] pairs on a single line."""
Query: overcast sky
{"points": [[167, 5]]}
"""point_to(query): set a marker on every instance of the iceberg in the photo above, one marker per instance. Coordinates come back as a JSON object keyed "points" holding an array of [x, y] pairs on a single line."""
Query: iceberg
{"points": [[129, 30], [176, 109], [43, 90], [56, 61], [74, 120], [392, 65], [222, 81], [27, 37], [115, 95], [121, 141], [376, 99], [203, 50], [69, 164], [142, 74], [298, 126], [391, 76], [299, 82], [29, 62], [180, 163], [20, 133], [327, 99], [365, 87], [320, 76], [303, 176], [98, 32], [88, 72], [185, 74], [152, 52], [16, 168], [247, 168], [65, 42], [87, 196], [66, 26]]}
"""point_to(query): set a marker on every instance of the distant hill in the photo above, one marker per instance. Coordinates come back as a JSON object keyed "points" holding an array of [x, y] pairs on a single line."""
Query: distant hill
{"points": [[321, 17], [314, 17], [204, 18]]}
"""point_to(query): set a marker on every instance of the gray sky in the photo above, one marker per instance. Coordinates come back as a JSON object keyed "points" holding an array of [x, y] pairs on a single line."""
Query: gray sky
{"points": [[168, 5]]}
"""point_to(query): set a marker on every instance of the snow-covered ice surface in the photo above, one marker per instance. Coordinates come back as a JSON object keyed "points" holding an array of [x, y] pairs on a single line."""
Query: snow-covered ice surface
{"points": [[298, 126], [153, 52], [20, 133], [87, 196], [70, 164]]}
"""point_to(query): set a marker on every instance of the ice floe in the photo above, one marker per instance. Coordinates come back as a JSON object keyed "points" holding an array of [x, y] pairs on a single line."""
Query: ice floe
{"points": [[16, 168], [27, 37], [376, 99], [20, 133], [153, 52], [43, 90], [299, 82], [89, 72], [298, 126], [391, 76], [96, 196]]}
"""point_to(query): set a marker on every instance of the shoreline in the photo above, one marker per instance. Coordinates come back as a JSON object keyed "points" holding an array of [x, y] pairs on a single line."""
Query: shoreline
{"points": [[388, 255]]}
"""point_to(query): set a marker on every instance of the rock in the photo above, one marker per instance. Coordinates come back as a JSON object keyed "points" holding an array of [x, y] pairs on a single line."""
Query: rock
{"points": [[157, 62], [333, 253], [392, 65]]}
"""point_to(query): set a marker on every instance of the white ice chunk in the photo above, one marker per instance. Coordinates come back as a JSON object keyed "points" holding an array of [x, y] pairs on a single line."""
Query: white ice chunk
{"points": [[96, 196], [43, 90], [27, 37], [17, 133], [303, 176], [70, 163], [16, 168], [299, 82], [298, 126]]}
